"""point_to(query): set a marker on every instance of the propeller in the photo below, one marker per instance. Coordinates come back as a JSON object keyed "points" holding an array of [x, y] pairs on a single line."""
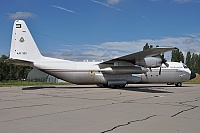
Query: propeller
{"points": [[164, 61]]}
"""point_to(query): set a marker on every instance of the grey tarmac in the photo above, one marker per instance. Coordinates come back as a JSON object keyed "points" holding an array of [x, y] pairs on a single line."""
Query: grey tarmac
{"points": [[139, 108]]}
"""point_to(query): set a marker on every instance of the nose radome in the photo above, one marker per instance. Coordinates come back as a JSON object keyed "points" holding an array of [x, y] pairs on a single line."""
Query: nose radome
{"points": [[192, 75]]}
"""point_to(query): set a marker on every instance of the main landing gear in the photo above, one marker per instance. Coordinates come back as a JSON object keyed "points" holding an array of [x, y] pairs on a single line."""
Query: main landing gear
{"points": [[117, 86], [176, 84]]}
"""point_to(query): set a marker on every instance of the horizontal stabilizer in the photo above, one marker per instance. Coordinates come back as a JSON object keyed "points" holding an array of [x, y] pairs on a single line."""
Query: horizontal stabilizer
{"points": [[19, 62]]}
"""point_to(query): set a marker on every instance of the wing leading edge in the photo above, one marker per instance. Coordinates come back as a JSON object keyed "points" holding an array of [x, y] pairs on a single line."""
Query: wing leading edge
{"points": [[140, 55]]}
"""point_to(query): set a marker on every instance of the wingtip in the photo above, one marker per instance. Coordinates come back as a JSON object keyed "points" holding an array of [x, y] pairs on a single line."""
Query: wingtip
{"points": [[175, 48]]}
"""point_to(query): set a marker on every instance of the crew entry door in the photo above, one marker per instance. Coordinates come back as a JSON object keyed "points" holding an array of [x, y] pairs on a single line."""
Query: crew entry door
{"points": [[91, 77]]}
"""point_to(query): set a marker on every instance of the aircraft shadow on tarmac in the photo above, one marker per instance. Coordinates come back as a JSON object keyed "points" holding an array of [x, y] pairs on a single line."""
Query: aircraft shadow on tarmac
{"points": [[58, 87], [151, 89], [37, 87], [147, 89]]}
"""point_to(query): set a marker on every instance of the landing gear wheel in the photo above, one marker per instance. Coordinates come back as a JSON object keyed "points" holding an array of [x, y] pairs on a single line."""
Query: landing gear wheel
{"points": [[122, 86], [117, 86], [105, 85], [114, 86], [178, 84], [102, 85]]}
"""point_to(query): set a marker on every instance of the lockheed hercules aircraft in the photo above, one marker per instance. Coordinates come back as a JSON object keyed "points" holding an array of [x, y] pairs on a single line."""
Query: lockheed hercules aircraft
{"points": [[141, 67]]}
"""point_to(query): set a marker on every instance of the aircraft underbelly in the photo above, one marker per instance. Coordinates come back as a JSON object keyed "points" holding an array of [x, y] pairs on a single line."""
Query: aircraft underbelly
{"points": [[88, 77], [84, 77], [94, 77], [99, 78]]}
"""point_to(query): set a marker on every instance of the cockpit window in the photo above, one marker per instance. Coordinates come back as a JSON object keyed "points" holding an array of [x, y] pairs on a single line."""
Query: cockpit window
{"points": [[185, 66]]}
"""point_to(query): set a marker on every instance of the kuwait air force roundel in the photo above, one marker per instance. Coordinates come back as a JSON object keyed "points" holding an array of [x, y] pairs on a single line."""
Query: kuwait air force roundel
{"points": [[21, 39]]}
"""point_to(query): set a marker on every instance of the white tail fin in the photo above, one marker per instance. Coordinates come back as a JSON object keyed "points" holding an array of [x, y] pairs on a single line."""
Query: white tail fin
{"points": [[23, 47]]}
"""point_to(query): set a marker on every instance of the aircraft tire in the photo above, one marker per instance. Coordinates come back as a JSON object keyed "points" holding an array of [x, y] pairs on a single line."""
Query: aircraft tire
{"points": [[178, 84], [105, 85], [117, 86], [102, 85], [122, 86]]}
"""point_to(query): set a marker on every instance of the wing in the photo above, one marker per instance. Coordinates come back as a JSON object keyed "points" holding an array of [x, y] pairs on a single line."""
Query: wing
{"points": [[140, 55]]}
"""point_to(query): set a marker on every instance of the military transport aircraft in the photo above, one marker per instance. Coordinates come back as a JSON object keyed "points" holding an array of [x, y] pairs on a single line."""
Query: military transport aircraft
{"points": [[142, 67]]}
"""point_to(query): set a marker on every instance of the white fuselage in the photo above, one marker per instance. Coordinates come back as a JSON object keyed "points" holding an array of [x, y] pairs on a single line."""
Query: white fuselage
{"points": [[91, 73]]}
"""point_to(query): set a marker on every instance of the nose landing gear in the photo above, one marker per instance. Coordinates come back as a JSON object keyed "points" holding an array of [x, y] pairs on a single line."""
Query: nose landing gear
{"points": [[178, 84]]}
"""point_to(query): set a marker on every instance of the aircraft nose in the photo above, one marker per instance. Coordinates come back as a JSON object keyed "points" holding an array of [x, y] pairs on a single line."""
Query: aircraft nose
{"points": [[192, 75]]}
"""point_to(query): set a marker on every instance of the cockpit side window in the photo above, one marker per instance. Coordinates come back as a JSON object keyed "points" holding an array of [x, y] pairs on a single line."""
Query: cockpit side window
{"points": [[185, 66]]}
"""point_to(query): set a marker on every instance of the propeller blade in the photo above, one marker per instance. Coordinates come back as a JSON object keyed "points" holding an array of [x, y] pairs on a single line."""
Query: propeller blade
{"points": [[160, 71], [164, 61]]}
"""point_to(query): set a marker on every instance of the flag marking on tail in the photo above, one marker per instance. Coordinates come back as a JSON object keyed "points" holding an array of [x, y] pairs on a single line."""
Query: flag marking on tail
{"points": [[18, 25]]}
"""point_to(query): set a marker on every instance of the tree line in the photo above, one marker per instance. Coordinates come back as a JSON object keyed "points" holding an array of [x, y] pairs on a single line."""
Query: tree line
{"points": [[12, 72], [192, 60]]}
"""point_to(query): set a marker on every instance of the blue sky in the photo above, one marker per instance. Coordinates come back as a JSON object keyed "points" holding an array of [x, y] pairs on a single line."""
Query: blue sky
{"points": [[103, 29]]}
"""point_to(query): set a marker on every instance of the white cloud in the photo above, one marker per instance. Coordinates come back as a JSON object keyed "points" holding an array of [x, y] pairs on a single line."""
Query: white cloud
{"points": [[192, 35], [21, 15], [64, 9], [67, 53], [118, 46], [105, 4], [109, 50], [59, 54]]}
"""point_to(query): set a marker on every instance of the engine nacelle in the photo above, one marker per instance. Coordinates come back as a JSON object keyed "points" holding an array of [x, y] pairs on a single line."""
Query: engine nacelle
{"points": [[151, 62]]}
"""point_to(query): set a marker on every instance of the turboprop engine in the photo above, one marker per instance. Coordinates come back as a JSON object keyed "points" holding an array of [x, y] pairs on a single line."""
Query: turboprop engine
{"points": [[150, 62]]}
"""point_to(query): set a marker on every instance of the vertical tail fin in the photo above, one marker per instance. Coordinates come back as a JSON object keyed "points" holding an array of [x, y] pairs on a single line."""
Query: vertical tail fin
{"points": [[23, 47]]}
